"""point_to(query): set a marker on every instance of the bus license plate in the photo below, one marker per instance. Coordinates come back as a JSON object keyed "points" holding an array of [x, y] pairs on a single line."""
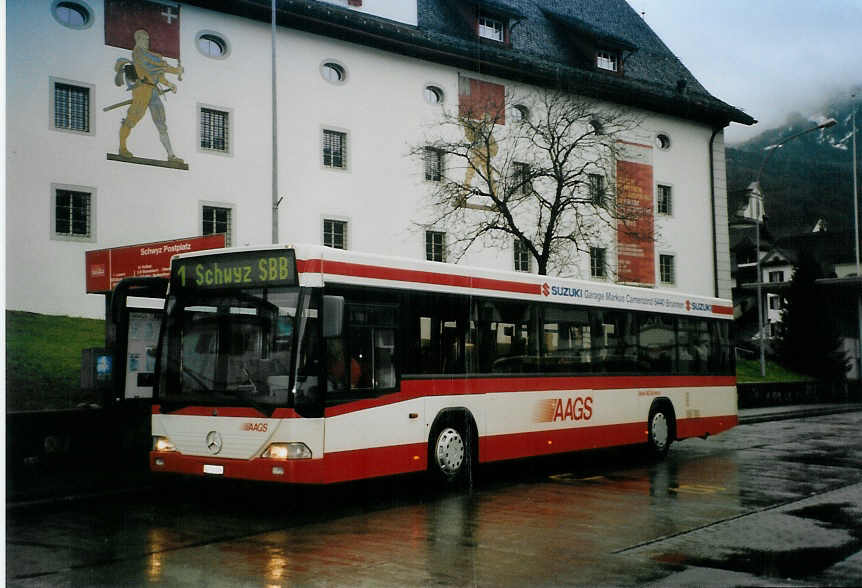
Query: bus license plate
{"points": [[213, 469]]}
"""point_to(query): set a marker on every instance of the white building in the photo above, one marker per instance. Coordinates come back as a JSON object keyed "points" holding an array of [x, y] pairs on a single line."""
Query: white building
{"points": [[359, 83]]}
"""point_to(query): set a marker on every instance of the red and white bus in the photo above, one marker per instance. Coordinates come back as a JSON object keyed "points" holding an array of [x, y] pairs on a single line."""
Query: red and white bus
{"points": [[314, 365]]}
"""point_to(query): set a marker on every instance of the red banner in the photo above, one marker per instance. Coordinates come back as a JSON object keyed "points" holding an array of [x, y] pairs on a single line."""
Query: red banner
{"points": [[635, 235], [160, 20], [477, 99], [106, 267]]}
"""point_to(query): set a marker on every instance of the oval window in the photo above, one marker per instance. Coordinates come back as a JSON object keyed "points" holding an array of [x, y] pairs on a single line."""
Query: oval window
{"points": [[662, 141], [212, 45], [520, 112], [74, 15], [333, 73], [433, 95]]}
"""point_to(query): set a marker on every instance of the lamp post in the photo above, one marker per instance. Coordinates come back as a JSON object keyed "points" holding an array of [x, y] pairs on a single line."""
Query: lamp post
{"points": [[856, 240], [771, 150]]}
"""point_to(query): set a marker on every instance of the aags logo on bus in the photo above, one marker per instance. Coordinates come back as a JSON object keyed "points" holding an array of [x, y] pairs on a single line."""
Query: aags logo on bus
{"points": [[565, 409]]}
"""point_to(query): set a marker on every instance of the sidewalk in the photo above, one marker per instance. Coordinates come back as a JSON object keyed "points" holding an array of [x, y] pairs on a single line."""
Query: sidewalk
{"points": [[748, 416], [47, 484]]}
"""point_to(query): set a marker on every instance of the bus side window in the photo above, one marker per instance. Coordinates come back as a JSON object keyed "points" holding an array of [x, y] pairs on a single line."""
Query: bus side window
{"points": [[371, 333], [436, 330]]}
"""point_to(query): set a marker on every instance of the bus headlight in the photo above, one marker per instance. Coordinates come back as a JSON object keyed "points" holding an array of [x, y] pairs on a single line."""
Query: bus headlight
{"points": [[163, 444], [294, 450]]}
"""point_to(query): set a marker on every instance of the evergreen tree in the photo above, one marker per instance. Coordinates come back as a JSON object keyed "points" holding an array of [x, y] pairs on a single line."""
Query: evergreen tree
{"points": [[809, 342]]}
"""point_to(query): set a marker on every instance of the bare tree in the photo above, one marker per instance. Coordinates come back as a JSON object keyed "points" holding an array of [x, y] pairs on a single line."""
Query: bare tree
{"points": [[545, 177]]}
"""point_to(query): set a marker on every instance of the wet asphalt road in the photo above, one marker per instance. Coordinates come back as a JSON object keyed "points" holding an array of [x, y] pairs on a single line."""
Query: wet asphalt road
{"points": [[768, 503]]}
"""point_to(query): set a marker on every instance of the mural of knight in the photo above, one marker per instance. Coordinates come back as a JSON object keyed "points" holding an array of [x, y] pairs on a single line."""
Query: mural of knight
{"points": [[144, 75]]}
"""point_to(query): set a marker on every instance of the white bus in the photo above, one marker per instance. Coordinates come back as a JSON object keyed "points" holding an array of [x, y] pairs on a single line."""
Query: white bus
{"points": [[305, 364]]}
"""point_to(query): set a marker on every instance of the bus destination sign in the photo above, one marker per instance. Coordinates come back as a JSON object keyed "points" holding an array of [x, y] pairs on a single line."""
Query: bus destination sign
{"points": [[255, 269]]}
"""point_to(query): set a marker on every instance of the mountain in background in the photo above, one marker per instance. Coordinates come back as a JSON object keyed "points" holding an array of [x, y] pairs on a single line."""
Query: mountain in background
{"points": [[808, 179]]}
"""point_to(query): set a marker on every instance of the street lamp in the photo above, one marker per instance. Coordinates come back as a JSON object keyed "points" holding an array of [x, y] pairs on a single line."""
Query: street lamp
{"points": [[856, 240], [771, 150]]}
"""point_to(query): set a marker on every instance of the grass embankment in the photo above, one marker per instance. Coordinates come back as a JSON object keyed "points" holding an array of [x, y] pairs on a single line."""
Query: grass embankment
{"points": [[43, 359], [748, 372]]}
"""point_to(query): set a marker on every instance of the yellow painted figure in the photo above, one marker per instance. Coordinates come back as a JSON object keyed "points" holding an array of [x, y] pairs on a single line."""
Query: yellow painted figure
{"points": [[145, 81]]}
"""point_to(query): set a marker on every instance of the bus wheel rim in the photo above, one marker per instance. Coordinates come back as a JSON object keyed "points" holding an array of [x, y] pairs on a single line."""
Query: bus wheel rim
{"points": [[659, 430], [449, 451]]}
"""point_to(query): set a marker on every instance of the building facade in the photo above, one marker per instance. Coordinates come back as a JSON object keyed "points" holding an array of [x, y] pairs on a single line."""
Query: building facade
{"points": [[360, 84]]}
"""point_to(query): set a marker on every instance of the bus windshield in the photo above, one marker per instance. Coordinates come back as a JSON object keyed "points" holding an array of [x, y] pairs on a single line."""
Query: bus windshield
{"points": [[230, 346]]}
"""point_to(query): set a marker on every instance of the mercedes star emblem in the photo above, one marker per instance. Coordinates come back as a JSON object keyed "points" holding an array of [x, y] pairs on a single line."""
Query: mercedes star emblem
{"points": [[214, 442]]}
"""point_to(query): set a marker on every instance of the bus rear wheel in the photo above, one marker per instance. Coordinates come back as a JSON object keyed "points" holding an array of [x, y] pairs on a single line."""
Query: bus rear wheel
{"points": [[660, 429]]}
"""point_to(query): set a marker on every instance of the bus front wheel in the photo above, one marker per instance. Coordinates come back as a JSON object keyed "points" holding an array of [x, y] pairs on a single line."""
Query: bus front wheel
{"points": [[451, 451]]}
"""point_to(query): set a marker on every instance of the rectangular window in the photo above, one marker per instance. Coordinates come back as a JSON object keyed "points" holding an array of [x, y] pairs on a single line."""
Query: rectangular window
{"points": [[521, 178], [217, 220], [490, 28], [598, 257], [607, 60], [774, 302], [73, 215], [71, 107], [597, 188], [664, 201], [215, 129], [335, 233], [435, 246], [667, 273], [334, 149], [777, 276], [433, 164], [522, 257]]}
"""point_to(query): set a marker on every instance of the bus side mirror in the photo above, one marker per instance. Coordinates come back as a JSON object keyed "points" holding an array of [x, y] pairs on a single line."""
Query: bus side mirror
{"points": [[333, 316]]}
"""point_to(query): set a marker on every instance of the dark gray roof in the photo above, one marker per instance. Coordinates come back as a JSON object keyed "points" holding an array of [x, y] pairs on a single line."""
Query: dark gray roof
{"points": [[546, 47]]}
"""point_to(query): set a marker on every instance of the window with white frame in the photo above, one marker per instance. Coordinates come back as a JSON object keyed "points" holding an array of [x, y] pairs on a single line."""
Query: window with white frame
{"points": [[491, 28], [666, 269], [776, 276], [435, 246], [774, 302], [664, 200], [598, 260], [522, 256], [607, 60], [433, 164], [216, 220], [71, 106], [215, 130], [334, 149], [72, 213], [521, 178], [596, 184], [335, 233]]}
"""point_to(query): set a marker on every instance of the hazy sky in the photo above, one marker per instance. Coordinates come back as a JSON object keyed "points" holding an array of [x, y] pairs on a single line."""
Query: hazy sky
{"points": [[767, 57]]}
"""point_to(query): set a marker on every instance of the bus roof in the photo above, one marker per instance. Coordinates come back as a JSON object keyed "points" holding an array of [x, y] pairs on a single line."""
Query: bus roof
{"points": [[318, 265]]}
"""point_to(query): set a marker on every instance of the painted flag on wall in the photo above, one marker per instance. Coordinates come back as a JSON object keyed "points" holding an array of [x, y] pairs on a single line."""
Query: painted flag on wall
{"points": [[160, 19], [477, 98]]}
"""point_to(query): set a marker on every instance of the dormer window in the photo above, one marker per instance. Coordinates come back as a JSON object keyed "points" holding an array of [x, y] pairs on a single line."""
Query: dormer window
{"points": [[491, 28], [607, 60]]}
